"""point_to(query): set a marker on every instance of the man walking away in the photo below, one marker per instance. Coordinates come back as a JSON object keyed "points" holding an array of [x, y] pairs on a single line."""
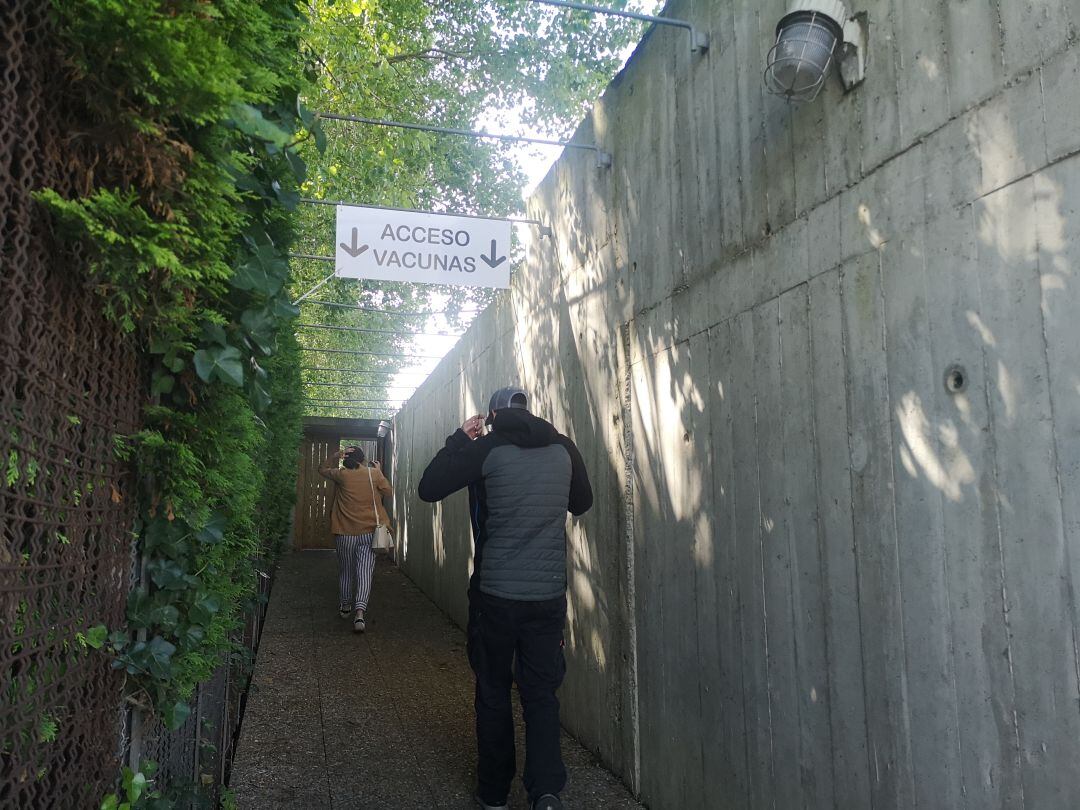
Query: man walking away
{"points": [[523, 477]]}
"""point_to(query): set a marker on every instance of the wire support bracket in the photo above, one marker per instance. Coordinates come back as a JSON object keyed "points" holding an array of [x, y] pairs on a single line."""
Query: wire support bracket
{"points": [[544, 229], [372, 354], [376, 331], [366, 370], [351, 386], [699, 40], [317, 286], [358, 401], [389, 311], [603, 159]]}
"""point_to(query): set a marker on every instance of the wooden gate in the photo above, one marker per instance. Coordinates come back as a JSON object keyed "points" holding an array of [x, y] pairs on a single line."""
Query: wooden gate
{"points": [[323, 437]]}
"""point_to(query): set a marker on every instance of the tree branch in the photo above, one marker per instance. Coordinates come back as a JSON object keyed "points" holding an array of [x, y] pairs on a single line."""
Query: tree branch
{"points": [[438, 54]]}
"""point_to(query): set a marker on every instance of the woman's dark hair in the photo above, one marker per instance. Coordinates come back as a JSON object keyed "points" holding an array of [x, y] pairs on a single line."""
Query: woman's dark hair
{"points": [[354, 459]]}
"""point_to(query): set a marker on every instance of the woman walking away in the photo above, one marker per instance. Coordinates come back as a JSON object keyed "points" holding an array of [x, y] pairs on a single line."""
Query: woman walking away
{"points": [[358, 509]]}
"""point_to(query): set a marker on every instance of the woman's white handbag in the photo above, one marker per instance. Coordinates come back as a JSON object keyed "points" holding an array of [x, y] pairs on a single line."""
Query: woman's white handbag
{"points": [[381, 539]]}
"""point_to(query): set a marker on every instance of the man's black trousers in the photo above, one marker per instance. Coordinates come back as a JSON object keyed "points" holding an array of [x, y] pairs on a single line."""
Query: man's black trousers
{"points": [[508, 641]]}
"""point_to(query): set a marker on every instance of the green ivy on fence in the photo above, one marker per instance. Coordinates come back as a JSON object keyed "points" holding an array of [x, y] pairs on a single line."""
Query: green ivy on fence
{"points": [[191, 110]]}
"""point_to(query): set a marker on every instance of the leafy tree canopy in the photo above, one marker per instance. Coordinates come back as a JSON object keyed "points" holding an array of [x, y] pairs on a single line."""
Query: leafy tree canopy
{"points": [[457, 63]]}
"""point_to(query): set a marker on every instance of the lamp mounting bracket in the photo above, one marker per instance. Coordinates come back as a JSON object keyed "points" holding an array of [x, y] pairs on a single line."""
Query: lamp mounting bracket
{"points": [[851, 55]]}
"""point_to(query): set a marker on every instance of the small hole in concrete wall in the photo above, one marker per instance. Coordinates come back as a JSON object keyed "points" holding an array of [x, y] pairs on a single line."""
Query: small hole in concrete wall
{"points": [[686, 437], [955, 379]]}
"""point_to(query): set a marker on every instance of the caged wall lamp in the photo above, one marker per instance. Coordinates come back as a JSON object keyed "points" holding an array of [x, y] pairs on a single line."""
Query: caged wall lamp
{"points": [[809, 38]]}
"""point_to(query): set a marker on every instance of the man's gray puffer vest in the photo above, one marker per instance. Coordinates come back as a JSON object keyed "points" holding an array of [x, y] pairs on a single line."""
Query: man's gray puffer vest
{"points": [[522, 478]]}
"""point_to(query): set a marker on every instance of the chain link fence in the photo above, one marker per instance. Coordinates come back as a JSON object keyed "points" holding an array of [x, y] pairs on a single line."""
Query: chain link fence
{"points": [[71, 386], [194, 760]]}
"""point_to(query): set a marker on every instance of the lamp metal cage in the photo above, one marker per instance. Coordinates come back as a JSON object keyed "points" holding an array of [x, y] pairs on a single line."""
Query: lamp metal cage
{"points": [[800, 60]]}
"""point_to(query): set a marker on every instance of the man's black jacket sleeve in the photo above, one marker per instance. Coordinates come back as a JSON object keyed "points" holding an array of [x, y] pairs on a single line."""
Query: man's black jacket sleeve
{"points": [[458, 464], [580, 500]]}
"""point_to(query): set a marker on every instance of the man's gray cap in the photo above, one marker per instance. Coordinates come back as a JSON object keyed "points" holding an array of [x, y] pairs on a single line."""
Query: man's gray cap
{"points": [[509, 397]]}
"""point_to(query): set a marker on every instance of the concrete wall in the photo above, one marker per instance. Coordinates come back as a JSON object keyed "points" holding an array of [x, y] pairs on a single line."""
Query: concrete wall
{"points": [[814, 576]]}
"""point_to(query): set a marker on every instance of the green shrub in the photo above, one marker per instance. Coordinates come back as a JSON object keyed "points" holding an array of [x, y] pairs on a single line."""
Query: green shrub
{"points": [[189, 117]]}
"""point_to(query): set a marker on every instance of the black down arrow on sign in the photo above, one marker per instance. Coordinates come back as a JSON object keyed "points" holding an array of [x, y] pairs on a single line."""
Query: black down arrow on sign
{"points": [[354, 250], [491, 261]]}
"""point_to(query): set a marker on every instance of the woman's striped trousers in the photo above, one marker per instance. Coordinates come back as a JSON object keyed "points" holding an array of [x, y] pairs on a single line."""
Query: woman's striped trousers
{"points": [[356, 561]]}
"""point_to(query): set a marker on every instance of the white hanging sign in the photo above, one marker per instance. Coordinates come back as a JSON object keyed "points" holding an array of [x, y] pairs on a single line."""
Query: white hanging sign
{"points": [[421, 248]]}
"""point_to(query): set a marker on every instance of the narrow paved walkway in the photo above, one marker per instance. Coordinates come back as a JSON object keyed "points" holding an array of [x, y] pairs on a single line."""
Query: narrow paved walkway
{"points": [[381, 720]]}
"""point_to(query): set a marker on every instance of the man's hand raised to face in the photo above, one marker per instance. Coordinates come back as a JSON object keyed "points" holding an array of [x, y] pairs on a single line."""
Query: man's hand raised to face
{"points": [[474, 426]]}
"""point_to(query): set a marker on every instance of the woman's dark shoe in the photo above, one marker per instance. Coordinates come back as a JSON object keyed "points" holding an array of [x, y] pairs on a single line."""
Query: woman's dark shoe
{"points": [[344, 612], [485, 806], [549, 801]]}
